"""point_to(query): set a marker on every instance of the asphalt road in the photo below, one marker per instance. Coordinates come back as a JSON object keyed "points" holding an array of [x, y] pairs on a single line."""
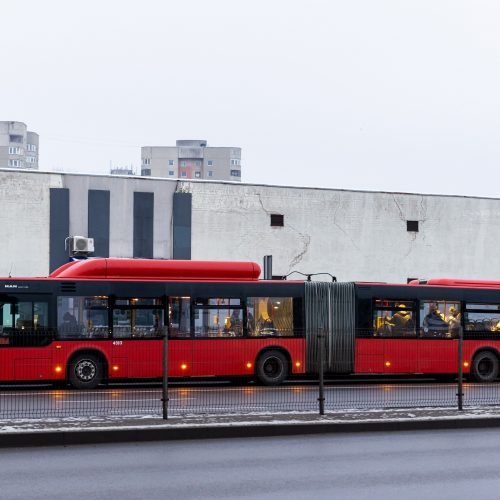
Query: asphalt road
{"points": [[443, 465], [225, 398]]}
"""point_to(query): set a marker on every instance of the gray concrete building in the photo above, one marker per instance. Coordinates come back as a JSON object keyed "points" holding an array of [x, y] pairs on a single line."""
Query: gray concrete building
{"points": [[191, 159], [18, 146], [122, 171], [354, 235]]}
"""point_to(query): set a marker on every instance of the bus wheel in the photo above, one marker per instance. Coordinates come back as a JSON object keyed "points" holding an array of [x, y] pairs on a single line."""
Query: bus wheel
{"points": [[271, 368], [485, 367], [85, 371]]}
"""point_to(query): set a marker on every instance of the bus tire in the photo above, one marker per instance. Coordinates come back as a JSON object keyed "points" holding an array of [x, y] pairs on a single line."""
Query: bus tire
{"points": [[485, 366], [271, 368], [85, 371]]}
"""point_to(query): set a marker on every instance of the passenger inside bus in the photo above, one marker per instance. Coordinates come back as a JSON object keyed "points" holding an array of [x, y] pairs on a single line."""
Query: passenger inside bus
{"points": [[453, 322], [401, 322], [69, 326], [434, 324], [394, 319]]}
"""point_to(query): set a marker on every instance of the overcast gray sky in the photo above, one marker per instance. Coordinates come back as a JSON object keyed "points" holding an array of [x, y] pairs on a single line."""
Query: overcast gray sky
{"points": [[397, 95]]}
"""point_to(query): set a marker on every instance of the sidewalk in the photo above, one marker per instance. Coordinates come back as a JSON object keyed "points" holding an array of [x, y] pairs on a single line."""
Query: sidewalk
{"points": [[70, 431]]}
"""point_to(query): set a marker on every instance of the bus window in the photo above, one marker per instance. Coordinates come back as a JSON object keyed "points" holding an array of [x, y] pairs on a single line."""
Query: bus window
{"points": [[137, 317], [218, 317], [24, 324], [482, 318], [6, 322], [82, 317], [179, 312], [270, 316], [439, 318], [394, 318]]}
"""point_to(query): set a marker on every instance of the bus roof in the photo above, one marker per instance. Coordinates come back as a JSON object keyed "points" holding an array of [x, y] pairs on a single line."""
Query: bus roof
{"points": [[457, 282], [150, 269]]}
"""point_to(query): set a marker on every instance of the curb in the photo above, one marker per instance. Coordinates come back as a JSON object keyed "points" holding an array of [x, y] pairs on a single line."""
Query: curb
{"points": [[148, 434]]}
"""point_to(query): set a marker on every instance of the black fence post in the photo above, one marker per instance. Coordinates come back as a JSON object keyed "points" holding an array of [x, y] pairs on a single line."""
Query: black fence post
{"points": [[321, 398], [460, 392], [164, 396]]}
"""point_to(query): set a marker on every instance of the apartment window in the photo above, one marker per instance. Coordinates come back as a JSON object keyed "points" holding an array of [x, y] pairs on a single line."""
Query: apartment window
{"points": [[15, 163], [235, 173], [16, 138], [183, 163], [31, 147], [235, 162], [210, 173], [147, 161], [277, 220], [412, 226], [15, 151], [146, 171], [171, 163], [210, 163], [31, 159], [197, 174], [198, 163], [170, 172], [183, 174]]}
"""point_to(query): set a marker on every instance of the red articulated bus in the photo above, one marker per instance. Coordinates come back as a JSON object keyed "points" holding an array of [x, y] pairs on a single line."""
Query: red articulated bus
{"points": [[105, 319]]}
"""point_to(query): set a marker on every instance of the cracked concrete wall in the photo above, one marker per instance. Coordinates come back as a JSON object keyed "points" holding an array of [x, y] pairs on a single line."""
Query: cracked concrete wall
{"points": [[353, 235]]}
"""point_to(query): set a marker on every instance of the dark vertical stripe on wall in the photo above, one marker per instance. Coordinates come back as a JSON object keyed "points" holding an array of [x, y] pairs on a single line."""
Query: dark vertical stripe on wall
{"points": [[59, 227], [143, 225], [182, 226], [99, 221]]}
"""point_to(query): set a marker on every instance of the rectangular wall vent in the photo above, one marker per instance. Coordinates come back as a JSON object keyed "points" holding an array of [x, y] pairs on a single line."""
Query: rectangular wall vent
{"points": [[277, 220]]}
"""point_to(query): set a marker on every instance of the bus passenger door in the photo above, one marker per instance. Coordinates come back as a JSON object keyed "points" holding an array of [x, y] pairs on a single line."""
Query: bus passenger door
{"points": [[394, 321], [438, 345], [25, 338], [179, 337], [218, 345]]}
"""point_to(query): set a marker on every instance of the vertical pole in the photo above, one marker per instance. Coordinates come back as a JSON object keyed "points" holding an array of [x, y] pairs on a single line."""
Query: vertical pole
{"points": [[460, 392], [268, 267], [321, 398], [164, 396]]}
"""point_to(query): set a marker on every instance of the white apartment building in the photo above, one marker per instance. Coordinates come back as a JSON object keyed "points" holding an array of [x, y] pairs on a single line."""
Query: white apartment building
{"points": [[191, 159], [18, 146]]}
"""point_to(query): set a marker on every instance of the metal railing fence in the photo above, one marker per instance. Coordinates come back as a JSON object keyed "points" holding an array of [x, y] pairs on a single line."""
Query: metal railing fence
{"points": [[236, 395]]}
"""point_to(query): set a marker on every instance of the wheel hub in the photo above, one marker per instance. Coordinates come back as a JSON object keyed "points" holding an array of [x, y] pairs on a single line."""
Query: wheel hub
{"points": [[272, 367], [85, 370]]}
